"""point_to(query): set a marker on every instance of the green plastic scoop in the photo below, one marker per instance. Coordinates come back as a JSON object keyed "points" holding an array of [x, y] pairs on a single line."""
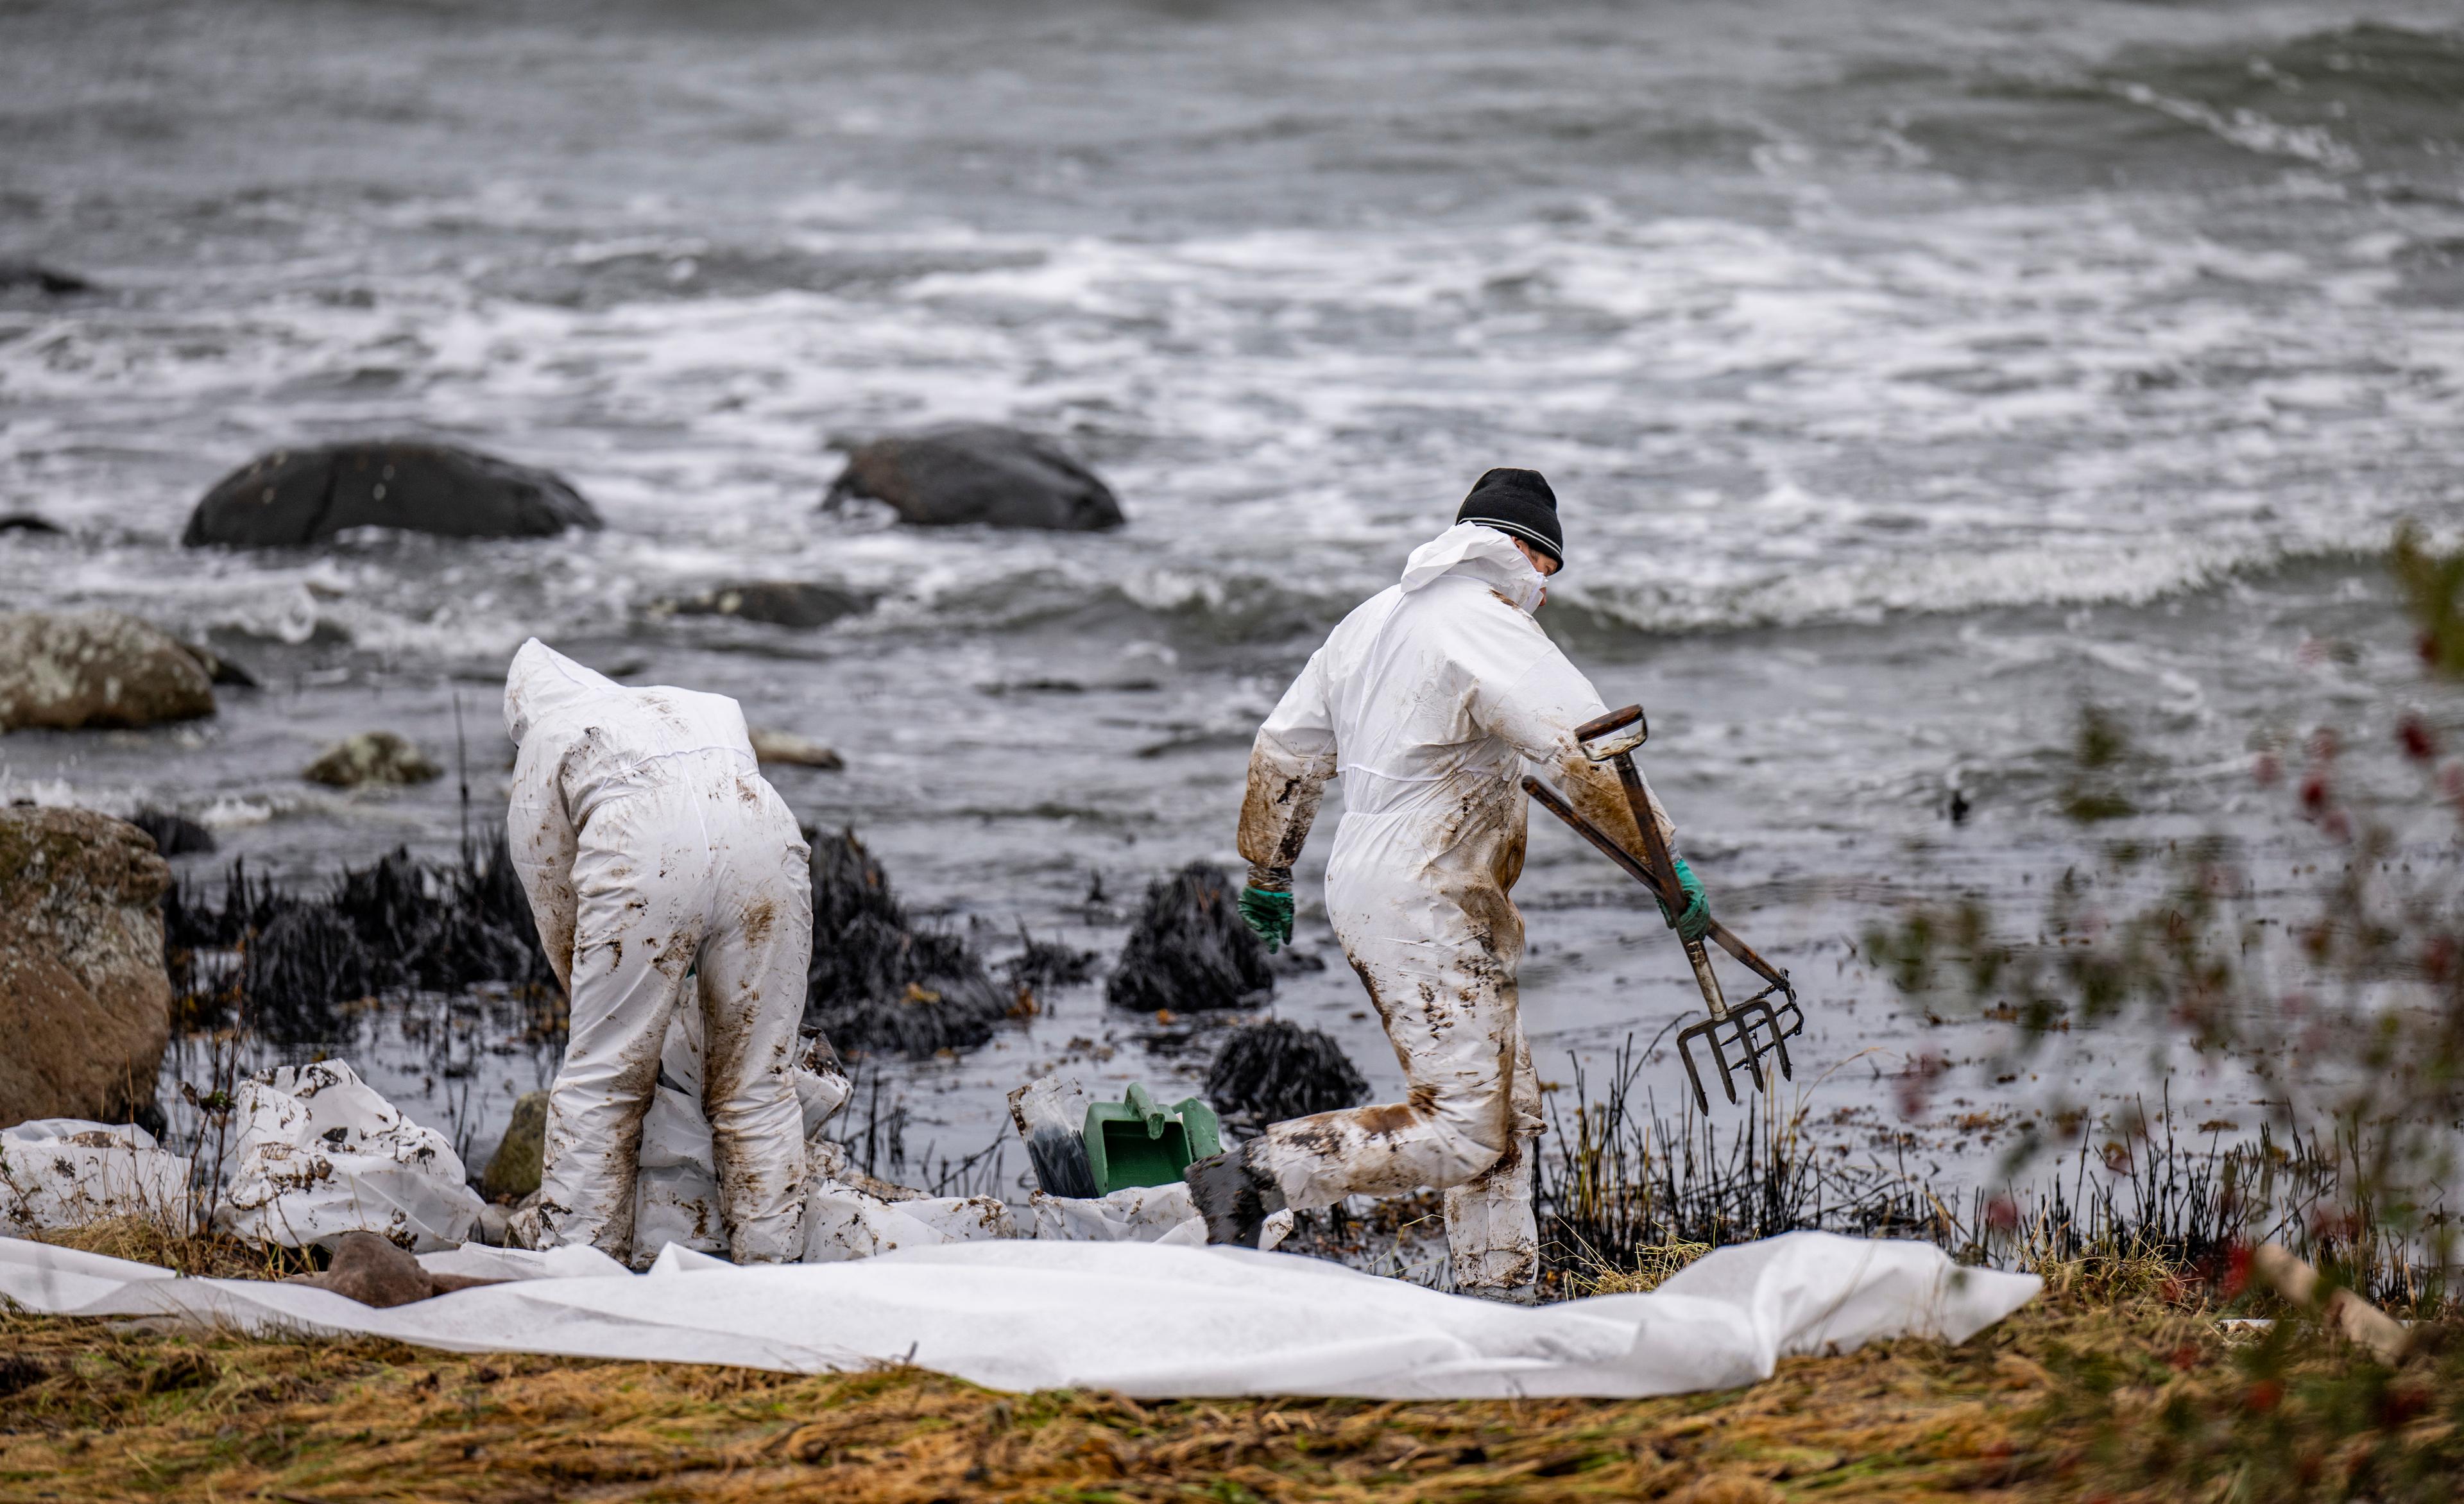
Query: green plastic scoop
{"points": [[1135, 1142]]}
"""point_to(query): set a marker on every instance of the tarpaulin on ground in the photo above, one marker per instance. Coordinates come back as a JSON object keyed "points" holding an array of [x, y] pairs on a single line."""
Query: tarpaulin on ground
{"points": [[1150, 1320]]}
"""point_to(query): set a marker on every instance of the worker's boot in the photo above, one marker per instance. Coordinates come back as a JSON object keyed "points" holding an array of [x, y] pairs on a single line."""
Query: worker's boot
{"points": [[1233, 1196]]}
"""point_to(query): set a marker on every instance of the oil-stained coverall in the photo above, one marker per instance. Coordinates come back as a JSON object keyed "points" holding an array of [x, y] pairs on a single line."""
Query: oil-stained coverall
{"points": [[655, 855], [1429, 699]]}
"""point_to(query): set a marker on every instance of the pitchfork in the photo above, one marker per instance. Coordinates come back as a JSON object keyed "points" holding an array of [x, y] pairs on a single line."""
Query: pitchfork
{"points": [[1751, 1030]]}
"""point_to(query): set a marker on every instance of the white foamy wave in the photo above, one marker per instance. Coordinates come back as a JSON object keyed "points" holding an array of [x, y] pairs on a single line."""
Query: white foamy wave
{"points": [[2250, 131], [1938, 585], [1825, 419]]}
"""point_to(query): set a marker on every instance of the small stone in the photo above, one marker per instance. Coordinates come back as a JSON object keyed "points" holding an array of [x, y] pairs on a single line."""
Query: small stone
{"points": [[785, 746], [372, 757], [778, 603], [514, 1170], [376, 1273]]}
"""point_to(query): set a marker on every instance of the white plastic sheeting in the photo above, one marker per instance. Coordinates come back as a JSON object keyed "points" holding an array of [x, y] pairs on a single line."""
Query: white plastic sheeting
{"points": [[1138, 1214], [316, 1153], [1147, 1320], [676, 1190], [1132, 1214], [64, 1172], [843, 1221], [846, 1215]]}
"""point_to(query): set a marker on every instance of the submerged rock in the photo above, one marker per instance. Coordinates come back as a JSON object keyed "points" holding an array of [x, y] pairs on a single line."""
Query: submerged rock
{"points": [[1189, 950], [85, 1008], [520, 1159], [960, 473], [219, 669], [71, 670], [372, 757], [879, 980], [28, 522], [294, 497], [1277, 1070], [785, 746], [174, 834], [33, 276], [779, 603]]}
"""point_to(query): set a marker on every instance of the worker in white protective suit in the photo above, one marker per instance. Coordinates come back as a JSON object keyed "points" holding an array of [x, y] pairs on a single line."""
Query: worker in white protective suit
{"points": [[1429, 699], [660, 865]]}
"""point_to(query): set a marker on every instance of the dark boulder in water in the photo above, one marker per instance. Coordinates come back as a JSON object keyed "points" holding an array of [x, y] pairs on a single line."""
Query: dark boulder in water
{"points": [[778, 603], [1277, 1070], [961, 472], [174, 834], [879, 980], [35, 277], [294, 497], [1190, 950]]}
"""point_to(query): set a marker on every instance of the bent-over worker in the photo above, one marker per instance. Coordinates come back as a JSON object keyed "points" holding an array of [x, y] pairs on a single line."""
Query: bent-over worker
{"points": [[1429, 699], [655, 855]]}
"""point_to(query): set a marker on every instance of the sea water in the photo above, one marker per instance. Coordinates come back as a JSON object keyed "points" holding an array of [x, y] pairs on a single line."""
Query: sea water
{"points": [[1911, 376]]}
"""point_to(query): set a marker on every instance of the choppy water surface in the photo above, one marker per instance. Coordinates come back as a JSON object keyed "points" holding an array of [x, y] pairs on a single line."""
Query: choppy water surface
{"points": [[1909, 374]]}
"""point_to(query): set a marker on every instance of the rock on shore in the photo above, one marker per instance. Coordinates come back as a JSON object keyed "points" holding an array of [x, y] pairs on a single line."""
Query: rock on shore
{"points": [[67, 670], [372, 757], [960, 473], [778, 603], [294, 497], [85, 1006]]}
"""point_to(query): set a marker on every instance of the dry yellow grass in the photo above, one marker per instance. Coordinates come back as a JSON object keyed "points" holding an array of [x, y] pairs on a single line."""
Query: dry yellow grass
{"points": [[93, 1410], [97, 1413]]}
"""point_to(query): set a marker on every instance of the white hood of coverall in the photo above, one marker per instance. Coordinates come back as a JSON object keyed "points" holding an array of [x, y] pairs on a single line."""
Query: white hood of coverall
{"points": [[1478, 553]]}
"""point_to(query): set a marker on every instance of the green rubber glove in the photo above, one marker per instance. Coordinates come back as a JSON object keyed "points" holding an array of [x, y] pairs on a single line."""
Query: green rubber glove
{"points": [[1270, 915], [1696, 921]]}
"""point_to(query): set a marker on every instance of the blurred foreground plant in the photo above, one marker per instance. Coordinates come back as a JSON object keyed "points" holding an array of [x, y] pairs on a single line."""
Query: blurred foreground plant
{"points": [[2364, 992], [2350, 1014]]}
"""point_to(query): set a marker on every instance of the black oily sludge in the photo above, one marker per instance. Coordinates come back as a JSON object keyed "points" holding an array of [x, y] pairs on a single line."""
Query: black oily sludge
{"points": [[1277, 1070], [879, 980], [294, 960], [1190, 950]]}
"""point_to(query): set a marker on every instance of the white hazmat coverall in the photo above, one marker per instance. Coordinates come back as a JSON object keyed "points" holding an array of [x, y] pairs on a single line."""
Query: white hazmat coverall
{"points": [[1429, 699], [651, 847]]}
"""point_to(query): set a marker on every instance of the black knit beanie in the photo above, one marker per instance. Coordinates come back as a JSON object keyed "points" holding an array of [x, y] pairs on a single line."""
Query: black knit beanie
{"points": [[1519, 502]]}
